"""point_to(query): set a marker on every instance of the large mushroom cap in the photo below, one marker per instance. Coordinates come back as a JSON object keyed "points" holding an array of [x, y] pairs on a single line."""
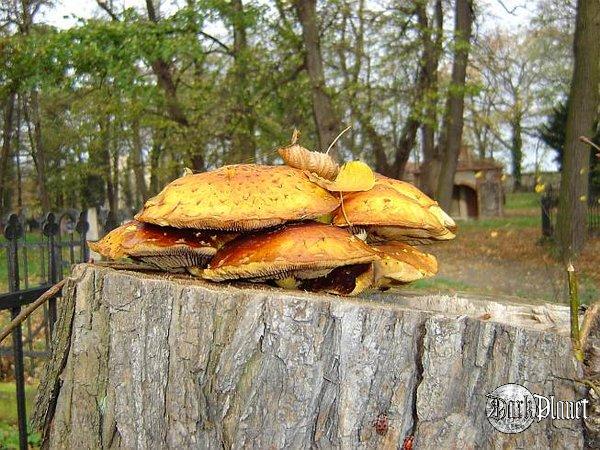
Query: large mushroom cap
{"points": [[420, 197], [165, 247], [390, 215], [238, 197], [308, 250], [383, 205], [400, 262]]}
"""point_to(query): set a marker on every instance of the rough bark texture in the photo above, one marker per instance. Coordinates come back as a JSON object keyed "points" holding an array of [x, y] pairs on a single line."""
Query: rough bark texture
{"points": [[161, 363], [584, 98], [453, 122], [326, 120]]}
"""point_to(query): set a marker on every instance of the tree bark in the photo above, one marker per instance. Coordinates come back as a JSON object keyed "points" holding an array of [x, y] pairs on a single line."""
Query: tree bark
{"points": [[137, 163], [31, 110], [326, 120], [432, 48], [149, 361], [516, 149], [243, 143], [7, 131], [453, 122], [582, 111]]}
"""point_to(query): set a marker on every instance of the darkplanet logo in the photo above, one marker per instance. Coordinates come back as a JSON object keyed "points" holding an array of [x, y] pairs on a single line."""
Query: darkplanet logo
{"points": [[512, 408]]}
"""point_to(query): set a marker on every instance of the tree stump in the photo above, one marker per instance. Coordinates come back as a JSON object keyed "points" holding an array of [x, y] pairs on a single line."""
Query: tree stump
{"points": [[151, 361]]}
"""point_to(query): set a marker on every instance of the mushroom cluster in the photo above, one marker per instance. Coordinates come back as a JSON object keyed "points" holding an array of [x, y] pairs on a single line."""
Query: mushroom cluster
{"points": [[309, 225]]}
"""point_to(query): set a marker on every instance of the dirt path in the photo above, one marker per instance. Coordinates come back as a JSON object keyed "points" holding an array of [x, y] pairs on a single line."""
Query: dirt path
{"points": [[512, 262]]}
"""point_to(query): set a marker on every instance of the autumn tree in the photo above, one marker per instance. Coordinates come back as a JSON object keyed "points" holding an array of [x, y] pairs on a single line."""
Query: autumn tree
{"points": [[451, 137], [326, 120], [584, 98]]}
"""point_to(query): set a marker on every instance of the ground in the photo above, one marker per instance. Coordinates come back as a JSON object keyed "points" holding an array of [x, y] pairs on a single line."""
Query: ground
{"points": [[505, 256]]}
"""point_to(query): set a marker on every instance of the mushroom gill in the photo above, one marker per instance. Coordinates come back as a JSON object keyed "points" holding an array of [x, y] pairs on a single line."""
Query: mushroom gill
{"points": [[163, 247]]}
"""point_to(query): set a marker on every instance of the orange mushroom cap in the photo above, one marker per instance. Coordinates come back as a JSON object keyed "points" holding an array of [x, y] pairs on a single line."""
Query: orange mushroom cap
{"points": [[402, 263], [165, 247], [293, 249], [391, 215], [238, 197], [420, 197]]}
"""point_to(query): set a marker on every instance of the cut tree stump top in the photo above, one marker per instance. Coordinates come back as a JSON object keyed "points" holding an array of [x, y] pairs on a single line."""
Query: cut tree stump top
{"points": [[152, 361]]}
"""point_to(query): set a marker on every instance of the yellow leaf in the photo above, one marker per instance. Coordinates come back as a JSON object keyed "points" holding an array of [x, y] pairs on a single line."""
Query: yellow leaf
{"points": [[479, 174], [354, 176], [540, 187]]}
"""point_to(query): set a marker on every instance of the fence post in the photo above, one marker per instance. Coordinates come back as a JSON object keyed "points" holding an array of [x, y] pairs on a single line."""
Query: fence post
{"points": [[12, 232], [50, 230], [546, 203], [82, 228]]}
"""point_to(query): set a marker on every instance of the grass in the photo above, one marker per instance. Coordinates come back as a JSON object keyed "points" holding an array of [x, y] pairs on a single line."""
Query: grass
{"points": [[440, 284], [36, 273], [516, 222], [9, 433], [522, 200]]}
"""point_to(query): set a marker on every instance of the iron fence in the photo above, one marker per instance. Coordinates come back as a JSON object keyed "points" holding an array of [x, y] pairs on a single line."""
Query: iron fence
{"points": [[37, 256], [549, 210]]}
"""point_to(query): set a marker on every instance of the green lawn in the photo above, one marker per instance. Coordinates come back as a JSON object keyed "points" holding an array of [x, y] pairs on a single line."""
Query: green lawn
{"points": [[522, 200], [440, 284], [36, 274], [9, 434], [500, 222]]}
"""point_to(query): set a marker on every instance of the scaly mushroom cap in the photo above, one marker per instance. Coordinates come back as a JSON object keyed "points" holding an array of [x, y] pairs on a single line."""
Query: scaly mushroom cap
{"points": [[402, 263], [397, 216], [238, 197], [308, 250], [420, 197], [164, 247]]}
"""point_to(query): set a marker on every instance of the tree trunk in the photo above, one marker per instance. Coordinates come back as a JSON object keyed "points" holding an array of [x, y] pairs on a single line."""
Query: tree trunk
{"points": [[150, 361], [155, 158], [243, 143], [7, 130], [326, 121], [453, 122], [137, 163], [31, 110], [582, 111], [516, 150], [432, 49]]}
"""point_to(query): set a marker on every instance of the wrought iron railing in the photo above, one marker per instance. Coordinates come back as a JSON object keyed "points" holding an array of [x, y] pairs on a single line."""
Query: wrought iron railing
{"points": [[549, 211], [59, 243]]}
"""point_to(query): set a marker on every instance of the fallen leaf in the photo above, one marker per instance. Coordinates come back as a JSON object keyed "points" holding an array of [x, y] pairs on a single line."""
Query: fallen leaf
{"points": [[353, 176]]}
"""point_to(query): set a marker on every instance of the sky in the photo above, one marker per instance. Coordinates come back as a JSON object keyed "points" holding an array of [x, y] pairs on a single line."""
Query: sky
{"points": [[508, 14], [504, 13]]}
